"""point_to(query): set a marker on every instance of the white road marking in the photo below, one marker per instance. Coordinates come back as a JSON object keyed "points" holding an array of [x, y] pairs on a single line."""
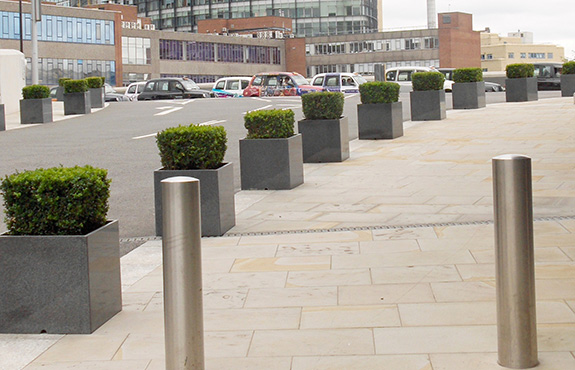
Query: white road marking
{"points": [[292, 107], [253, 110], [213, 122], [260, 99], [168, 107], [168, 111], [350, 96], [144, 136]]}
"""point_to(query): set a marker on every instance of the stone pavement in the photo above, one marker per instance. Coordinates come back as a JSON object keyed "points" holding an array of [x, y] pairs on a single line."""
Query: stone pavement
{"points": [[384, 261], [13, 119]]}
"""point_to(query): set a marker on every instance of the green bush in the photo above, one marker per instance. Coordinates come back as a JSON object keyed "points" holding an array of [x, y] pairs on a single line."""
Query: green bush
{"points": [[75, 86], [322, 105], [94, 82], [103, 80], [520, 70], [269, 124], [35, 92], [424, 81], [378, 92], [192, 147], [62, 80], [568, 68], [462, 75], [56, 201]]}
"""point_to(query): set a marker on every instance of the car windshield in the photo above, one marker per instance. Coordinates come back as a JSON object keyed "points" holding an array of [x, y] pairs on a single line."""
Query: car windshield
{"points": [[299, 80], [109, 89], [190, 85], [360, 80]]}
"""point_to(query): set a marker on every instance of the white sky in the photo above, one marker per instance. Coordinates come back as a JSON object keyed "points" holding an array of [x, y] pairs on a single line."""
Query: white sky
{"points": [[551, 21]]}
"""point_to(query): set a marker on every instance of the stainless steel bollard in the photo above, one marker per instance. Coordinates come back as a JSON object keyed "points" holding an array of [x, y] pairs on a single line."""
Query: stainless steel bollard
{"points": [[514, 262], [181, 247]]}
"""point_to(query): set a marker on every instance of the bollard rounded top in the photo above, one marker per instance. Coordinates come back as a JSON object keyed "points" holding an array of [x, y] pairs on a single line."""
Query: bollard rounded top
{"points": [[180, 179], [511, 157]]}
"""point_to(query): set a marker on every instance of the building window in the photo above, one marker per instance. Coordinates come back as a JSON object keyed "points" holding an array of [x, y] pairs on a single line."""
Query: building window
{"points": [[523, 55], [537, 55], [136, 50], [51, 70], [511, 55], [549, 55], [489, 56]]}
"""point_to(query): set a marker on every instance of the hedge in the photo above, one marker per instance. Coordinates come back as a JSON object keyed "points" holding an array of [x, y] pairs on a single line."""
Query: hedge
{"points": [[568, 68], [62, 80], [35, 92], [424, 81], [378, 92], [192, 147], [268, 124], [75, 86], [94, 82], [462, 75], [520, 70], [56, 201], [322, 105]]}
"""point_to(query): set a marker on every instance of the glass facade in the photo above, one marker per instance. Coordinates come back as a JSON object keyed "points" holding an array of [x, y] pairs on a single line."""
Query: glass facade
{"points": [[367, 68], [51, 70], [367, 46], [136, 50]]}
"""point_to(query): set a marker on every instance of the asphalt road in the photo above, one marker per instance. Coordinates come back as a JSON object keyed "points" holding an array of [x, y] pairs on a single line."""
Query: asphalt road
{"points": [[121, 139]]}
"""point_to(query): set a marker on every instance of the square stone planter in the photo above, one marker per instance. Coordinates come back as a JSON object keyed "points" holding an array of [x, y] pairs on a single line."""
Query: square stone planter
{"points": [[97, 97], [380, 121], [35, 111], [67, 284], [521, 89], [2, 118], [324, 140], [567, 85], [77, 103], [60, 93], [427, 105], [468, 95], [216, 197], [271, 164]]}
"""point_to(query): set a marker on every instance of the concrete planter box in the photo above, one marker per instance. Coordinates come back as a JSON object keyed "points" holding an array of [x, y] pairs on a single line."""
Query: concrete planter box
{"points": [[468, 95], [380, 121], [271, 164], [77, 103], [66, 284], [521, 89], [2, 118], [567, 85], [60, 93], [35, 111], [216, 197], [427, 105], [97, 97], [324, 140]]}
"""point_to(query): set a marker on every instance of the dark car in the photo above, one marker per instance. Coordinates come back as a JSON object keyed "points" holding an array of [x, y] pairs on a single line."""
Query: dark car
{"points": [[173, 88], [548, 75], [112, 95]]}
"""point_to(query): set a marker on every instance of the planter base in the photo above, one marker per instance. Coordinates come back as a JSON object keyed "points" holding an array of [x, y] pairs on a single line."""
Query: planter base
{"points": [[380, 121], [427, 105], [77, 103], [35, 111], [2, 118], [468, 95], [521, 89], [324, 140], [97, 97], [567, 85]]}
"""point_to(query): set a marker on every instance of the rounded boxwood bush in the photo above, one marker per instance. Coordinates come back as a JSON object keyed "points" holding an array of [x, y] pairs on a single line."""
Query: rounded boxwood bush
{"points": [[62, 80], [75, 86], [425, 81], [379, 92], [269, 124], [462, 75], [56, 201], [94, 82], [35, 92], [192, 147], [322, 105], [520, 70], [568, 68]]}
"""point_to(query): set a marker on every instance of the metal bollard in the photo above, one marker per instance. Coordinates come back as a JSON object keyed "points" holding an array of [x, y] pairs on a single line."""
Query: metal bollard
{"points": [[181, 248], [514, 262]]}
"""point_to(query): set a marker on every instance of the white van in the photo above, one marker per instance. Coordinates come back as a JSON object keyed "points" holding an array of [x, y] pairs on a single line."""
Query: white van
{"points": [[234, 87], [134, 89], [339, 82], [402, 76]]}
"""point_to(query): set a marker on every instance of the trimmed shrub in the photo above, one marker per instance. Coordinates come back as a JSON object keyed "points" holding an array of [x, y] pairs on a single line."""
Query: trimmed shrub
{"points": [[75, 86], [103, 80], [62, 80], [378, 92], [94, 82], [269, 124], [425, 81], [322, 105], [568, 68], [56, 201], [35, 92], [462, 75], [520, 70], [192, 147]]}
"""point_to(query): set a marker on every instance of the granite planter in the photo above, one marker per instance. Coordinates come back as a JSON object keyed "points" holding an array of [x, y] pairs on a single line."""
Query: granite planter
{"points": [[77, 103], [97, 97], [324, 140], [521, 89], [60, 284], [216, 198], [35, 110], [380, 121], [427, 105], [2, 118], [567, 85], [468, 95], [60, 93], [271, 164]]}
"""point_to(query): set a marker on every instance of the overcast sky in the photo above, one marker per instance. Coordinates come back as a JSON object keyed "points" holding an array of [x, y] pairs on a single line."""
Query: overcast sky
{"points": [[551, 21]]}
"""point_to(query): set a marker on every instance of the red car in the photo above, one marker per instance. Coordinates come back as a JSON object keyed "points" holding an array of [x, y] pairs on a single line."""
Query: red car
{"points": [[279, 84]]}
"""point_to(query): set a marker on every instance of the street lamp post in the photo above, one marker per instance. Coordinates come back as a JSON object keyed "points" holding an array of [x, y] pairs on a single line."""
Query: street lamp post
{"points": [[36, 16]]}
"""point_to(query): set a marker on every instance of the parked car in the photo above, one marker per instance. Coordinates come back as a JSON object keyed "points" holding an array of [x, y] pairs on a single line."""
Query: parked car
{"points": [[227, 87], [339, 82], [489, 86], [112, 95], [279, 84], [548, 75], [402, 76], [173, 88], [134, 89]]}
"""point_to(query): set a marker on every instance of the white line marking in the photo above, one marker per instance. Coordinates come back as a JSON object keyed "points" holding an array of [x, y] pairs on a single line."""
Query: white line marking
{"points": [[286, 105], [168, 107], [260, 99], [168, 111], [144, 136], [213, 122], [188, 101], [253, 110], [350, 96], [292, 107]]}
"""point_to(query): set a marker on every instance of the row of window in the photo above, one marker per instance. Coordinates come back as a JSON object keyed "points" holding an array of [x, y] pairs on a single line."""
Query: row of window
{"points": [[218, 52], [521, 55], [199, 79], [59, 29], [372, 45], [367, 68], [51, 70]]}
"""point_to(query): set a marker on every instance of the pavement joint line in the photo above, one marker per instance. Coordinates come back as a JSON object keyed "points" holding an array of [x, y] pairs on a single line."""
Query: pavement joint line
{"points": [[355, 228]]}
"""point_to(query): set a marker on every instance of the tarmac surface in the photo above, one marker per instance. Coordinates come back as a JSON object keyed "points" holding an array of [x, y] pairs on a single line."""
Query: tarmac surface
{"points": [[384, 261]]}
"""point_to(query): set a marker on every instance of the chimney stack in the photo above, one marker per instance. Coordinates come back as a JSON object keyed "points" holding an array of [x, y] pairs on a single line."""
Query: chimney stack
{"points": [[431, 15]]}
